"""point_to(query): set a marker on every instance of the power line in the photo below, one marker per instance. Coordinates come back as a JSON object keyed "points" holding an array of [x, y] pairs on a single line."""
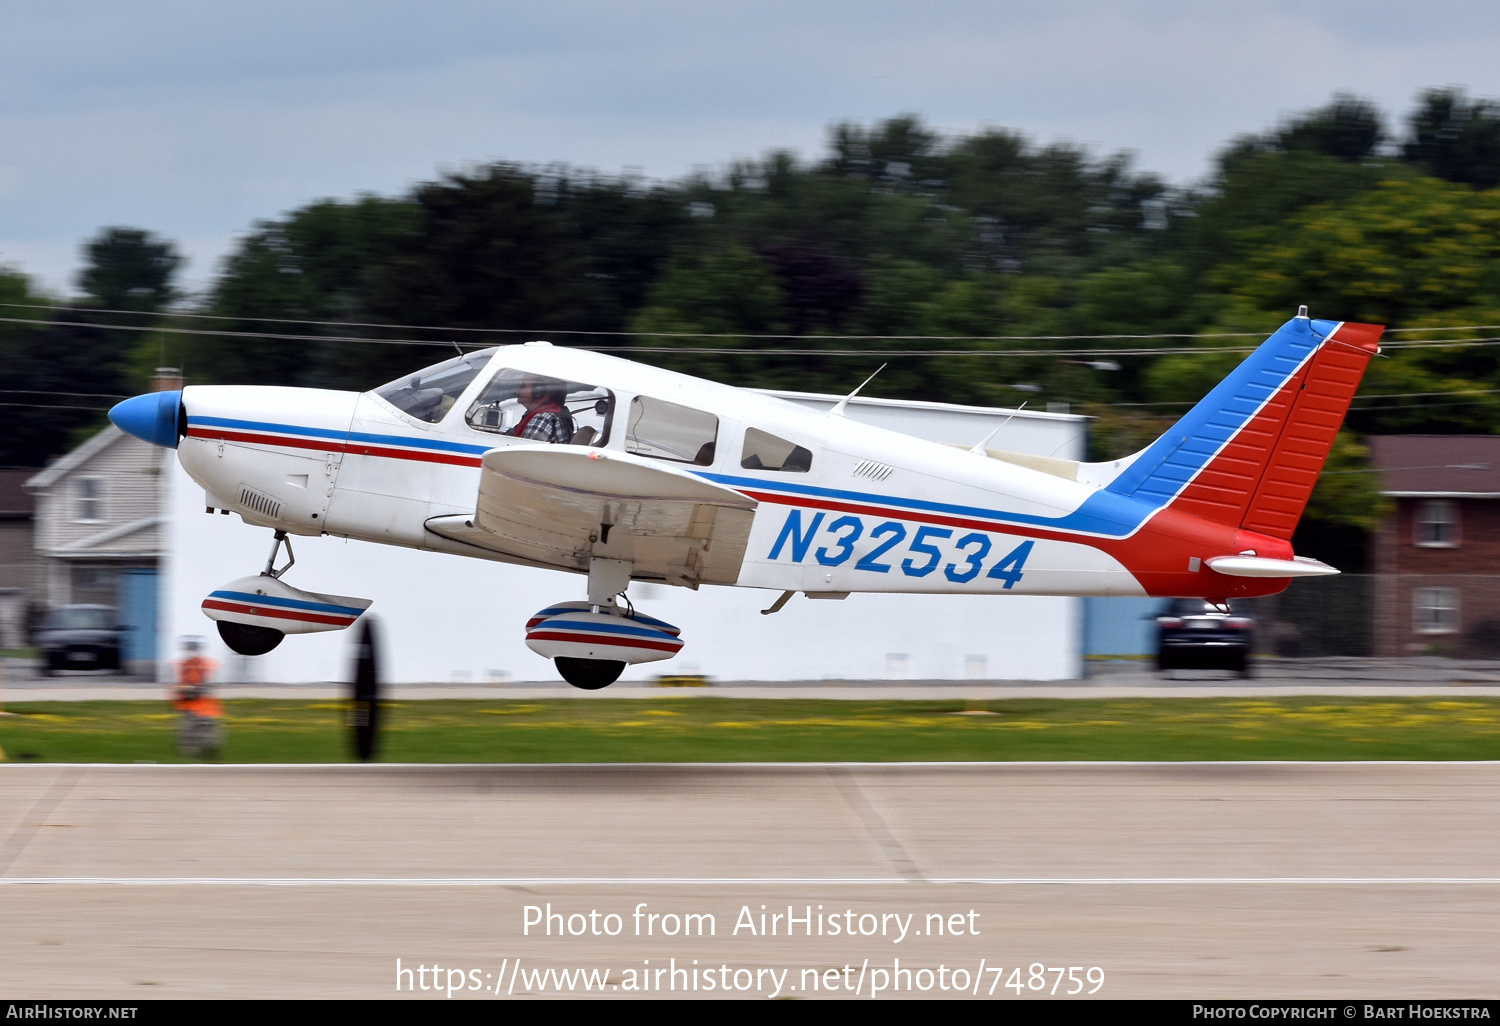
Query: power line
{"points": [[70, 395], [654, 334], [740, 351], [1357, 398], [54, 406]]}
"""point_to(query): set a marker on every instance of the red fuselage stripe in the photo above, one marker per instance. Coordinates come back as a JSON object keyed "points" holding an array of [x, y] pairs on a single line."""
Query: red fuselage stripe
{"points": [[598, 639], [274, 613], [323, 445]]}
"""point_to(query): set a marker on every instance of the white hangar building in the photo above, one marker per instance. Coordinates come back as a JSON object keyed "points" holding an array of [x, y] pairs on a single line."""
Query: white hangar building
{"points": [[449, 619]]}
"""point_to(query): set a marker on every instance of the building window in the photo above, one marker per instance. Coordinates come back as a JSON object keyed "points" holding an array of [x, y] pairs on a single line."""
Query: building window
{"points": [[96, 585], [1437, 524], [88, 494], [1435, 610]]}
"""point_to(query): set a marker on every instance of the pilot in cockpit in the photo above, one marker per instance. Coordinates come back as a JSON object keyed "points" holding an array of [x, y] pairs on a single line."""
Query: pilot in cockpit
{"points": [[546, 418]]}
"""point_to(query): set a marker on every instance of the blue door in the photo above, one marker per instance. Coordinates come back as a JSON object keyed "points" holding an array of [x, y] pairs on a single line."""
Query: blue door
{"points": [[138, 613]]}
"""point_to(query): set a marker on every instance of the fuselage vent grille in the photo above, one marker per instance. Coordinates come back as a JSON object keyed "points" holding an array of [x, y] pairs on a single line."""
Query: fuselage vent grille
{"points": [[259, 502], [874, 471]]}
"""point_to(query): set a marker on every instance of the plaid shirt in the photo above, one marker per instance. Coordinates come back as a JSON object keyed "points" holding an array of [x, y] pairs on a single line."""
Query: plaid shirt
{"points": [[553, 425]]}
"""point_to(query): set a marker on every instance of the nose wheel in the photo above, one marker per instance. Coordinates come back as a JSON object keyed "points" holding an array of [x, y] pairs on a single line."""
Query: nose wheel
{"points": [[589, 674]]}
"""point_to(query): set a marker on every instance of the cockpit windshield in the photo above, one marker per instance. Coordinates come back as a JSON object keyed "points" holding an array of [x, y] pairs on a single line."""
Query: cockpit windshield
{"points": [[429, 394]]}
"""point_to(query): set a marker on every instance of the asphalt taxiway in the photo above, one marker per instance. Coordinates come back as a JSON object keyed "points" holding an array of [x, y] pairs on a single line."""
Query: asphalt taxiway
{"points": [[1333, 880]]}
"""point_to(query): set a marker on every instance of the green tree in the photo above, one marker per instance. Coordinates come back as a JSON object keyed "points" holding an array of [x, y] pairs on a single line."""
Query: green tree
{"points": [[47, 373], [701, 300], [1401, 250], [129, 269], [1456, 138], [321, 262]]}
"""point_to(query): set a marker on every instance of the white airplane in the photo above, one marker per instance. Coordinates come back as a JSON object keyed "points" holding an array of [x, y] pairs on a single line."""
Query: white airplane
{"points": [[553, 457]]}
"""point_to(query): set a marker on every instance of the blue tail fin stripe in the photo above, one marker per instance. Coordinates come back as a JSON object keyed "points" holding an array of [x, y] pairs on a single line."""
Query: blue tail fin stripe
{"points": [[1178, 456]]}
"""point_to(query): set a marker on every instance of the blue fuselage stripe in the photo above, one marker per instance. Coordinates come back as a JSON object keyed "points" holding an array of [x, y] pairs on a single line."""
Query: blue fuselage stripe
{"points": [[558, 623], [407, 441], [272, 600], [1102, 513]]}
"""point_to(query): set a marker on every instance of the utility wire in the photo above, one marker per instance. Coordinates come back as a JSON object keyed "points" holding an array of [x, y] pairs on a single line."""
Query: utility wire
{"points": [[661, 334], [779, 351]]}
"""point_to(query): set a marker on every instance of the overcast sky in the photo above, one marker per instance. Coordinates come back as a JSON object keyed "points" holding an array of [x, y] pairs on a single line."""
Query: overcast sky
{"points": [[194, 118]]}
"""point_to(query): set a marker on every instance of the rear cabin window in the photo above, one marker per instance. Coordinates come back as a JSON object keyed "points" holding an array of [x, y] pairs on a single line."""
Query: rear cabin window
{"points": [[429, 394], [764, 451], [666, 431], [543, 408]]}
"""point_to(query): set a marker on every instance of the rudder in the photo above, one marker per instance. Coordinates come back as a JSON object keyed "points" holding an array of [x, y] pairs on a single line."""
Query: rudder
{"points": [[1309, 429], [1249, 454]]}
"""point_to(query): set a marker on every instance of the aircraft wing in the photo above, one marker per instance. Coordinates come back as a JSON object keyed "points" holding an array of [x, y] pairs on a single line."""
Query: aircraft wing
{"points": [[562, 505]]}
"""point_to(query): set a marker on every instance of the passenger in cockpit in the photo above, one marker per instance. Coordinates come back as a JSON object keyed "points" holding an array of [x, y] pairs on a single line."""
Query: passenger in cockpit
{"points": [[546, 418]]}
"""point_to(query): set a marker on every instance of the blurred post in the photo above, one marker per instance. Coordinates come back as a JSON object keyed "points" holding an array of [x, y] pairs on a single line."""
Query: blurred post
{"points": [[166, 379]]}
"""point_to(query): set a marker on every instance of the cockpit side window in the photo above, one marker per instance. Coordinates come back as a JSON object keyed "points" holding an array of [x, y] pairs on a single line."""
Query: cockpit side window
{"points": [[429, 394], [542, 408], [764, 451], [666, 431]]}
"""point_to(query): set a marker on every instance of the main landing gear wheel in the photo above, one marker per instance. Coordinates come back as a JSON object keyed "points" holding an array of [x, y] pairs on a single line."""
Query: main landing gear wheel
{"points": [[247, 639], [364, 693], [589, 674]]}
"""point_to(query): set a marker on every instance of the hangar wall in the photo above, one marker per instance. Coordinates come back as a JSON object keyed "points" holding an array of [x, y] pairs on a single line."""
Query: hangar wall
{"points": [[452, 619]]}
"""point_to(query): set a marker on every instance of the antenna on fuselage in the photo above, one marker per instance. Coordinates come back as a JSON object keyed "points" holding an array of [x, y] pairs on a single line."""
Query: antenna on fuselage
{"points": [[838, 408], [981, 447]]}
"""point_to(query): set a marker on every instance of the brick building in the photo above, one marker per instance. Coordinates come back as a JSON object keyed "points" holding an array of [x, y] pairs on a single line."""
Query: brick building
{"points": [[1437, 560]]}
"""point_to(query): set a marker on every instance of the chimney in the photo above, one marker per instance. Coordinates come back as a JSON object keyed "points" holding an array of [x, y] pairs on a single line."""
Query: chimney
{"points": [[166, 379]]}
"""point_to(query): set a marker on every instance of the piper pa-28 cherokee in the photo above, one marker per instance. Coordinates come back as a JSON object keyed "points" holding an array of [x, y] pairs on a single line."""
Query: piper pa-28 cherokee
{"points": [[561, 458]]}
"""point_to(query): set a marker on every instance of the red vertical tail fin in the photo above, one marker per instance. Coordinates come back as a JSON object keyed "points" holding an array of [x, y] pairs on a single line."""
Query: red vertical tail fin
{"points": [[1309, 424], [1249, 454]]}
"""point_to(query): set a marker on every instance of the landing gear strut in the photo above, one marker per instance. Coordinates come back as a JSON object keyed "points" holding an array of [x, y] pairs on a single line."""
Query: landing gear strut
{"points": [[255, 613], [249, 639], [592, 642]]}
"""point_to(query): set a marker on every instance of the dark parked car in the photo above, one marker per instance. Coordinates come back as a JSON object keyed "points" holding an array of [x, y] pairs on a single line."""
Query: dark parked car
{"points": [[80, 638], [1192, 634]]}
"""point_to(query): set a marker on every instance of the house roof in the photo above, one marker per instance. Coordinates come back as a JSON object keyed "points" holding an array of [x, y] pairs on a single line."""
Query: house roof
{"points": [[15, 500], [76, 458], [1438, 465]]}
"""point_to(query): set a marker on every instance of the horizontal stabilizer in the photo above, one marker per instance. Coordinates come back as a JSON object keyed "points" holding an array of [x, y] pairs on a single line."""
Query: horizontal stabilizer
{"points": [[1256, 566]]}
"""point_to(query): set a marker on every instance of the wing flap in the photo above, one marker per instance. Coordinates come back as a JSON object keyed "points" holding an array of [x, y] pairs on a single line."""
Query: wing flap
{"points": [[562, 505]]}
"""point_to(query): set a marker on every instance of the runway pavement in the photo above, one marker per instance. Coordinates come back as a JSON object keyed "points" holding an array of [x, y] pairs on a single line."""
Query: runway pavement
{"points": [[1348, 677], [1173, 880]]}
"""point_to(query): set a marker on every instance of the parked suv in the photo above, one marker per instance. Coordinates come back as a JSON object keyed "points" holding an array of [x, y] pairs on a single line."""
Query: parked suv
{"points": [[1197, 635], [80, 638]]}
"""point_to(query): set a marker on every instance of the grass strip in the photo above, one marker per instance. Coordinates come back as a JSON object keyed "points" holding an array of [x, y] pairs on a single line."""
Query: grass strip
{"points": [[705, 729]]}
